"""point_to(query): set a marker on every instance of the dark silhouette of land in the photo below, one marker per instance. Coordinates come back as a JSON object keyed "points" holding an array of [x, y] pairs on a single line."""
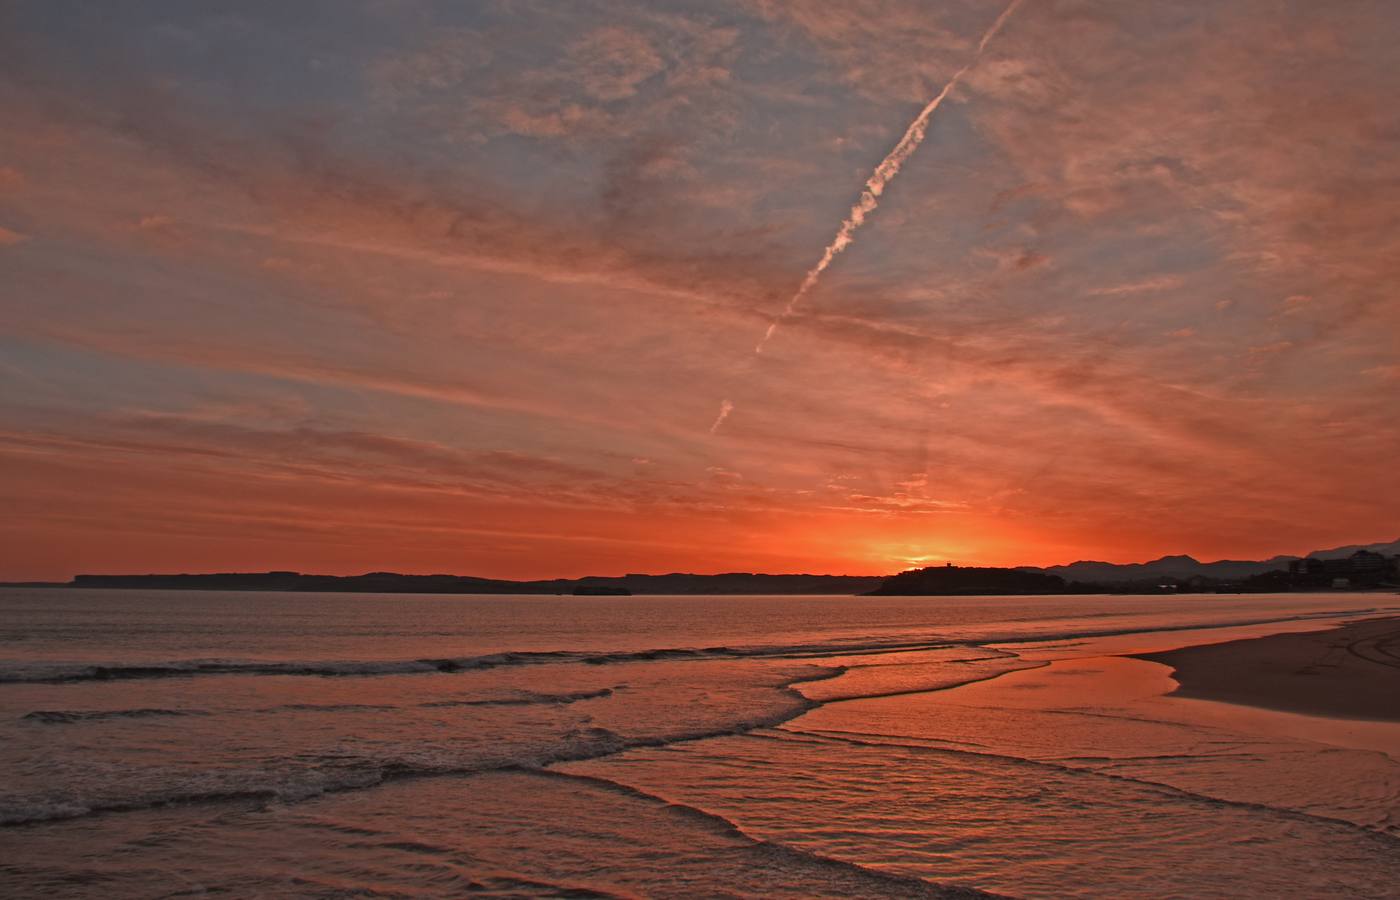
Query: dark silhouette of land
{"points": [[394, 583], [1185, 568], [1181, 567], [1369, 567], [1362, 569], [962, 580]]}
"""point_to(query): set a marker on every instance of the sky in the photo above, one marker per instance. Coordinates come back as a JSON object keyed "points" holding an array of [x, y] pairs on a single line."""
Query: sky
{"points": [[487, 287]]}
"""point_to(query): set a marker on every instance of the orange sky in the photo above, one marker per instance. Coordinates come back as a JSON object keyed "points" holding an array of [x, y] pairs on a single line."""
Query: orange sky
{"points": [[342, 288]]}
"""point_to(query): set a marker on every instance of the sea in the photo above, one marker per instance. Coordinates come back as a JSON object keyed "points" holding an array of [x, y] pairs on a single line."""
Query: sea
{"points": [[170, 743]]}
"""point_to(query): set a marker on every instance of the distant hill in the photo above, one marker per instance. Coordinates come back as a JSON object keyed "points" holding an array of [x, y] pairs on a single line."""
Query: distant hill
{"points": [[738, 583], [1389, 549], [395, 583], [965, 580], [1183, 567], [1186, 567]]}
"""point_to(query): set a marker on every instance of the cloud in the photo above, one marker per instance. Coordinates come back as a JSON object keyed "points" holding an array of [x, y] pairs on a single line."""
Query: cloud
{"points": [[249, 360], [467, 276], [306, 193], [886, 49], [635, 74], [442, 63], [611, 62], [1146, 285]]}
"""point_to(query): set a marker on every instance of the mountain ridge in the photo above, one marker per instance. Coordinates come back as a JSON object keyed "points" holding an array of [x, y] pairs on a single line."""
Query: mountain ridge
{"points": [[1185, 566]]}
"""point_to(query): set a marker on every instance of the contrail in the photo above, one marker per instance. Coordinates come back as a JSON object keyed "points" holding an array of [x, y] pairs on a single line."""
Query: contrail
{"points": [[725, 408], [884, 173], [870, 197]]}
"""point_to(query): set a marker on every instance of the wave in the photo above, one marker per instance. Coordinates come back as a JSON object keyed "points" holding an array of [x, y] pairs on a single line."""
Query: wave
{"points": [[292, 786], [932, 686], [895, 883], [880, 742], [517, 886], [1023, 638], [58, 673], [520, 698], [323, 707], [263, 786], [67, 716], [524, 698]]}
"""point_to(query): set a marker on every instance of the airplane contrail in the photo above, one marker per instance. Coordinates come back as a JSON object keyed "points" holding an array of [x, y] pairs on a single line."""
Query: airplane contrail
{"points": [[725, 408], [874, 186], [884, 173]]}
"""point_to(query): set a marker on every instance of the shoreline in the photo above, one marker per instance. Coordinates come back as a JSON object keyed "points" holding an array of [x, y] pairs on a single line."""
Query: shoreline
{"points": [[1349, 672]]}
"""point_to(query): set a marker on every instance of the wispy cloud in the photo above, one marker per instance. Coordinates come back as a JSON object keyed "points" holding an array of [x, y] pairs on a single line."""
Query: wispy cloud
{"points": [[1143, 286]]}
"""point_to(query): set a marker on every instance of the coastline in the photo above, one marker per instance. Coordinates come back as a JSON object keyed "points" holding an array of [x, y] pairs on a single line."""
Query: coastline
{"points": [[1350, 672]]}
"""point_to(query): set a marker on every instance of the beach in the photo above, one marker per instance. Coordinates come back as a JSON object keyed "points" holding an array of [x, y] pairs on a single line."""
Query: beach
{"points": [[1347, 672]]}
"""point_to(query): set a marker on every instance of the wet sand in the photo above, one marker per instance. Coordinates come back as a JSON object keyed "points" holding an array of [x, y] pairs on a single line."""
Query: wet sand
{"points": [[1350, 672]]}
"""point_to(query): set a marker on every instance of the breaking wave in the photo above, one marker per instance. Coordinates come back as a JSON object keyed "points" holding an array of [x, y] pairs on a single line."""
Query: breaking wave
{"points": [[58, 673], [67, 717], [338, 774]]}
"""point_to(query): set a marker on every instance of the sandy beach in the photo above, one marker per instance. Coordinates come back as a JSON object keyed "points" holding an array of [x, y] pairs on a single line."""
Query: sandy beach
{"points": [[1347, 672]]}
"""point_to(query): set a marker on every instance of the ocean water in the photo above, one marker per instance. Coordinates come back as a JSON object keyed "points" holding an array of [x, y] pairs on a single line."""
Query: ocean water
{"points": [[253, 744]]}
